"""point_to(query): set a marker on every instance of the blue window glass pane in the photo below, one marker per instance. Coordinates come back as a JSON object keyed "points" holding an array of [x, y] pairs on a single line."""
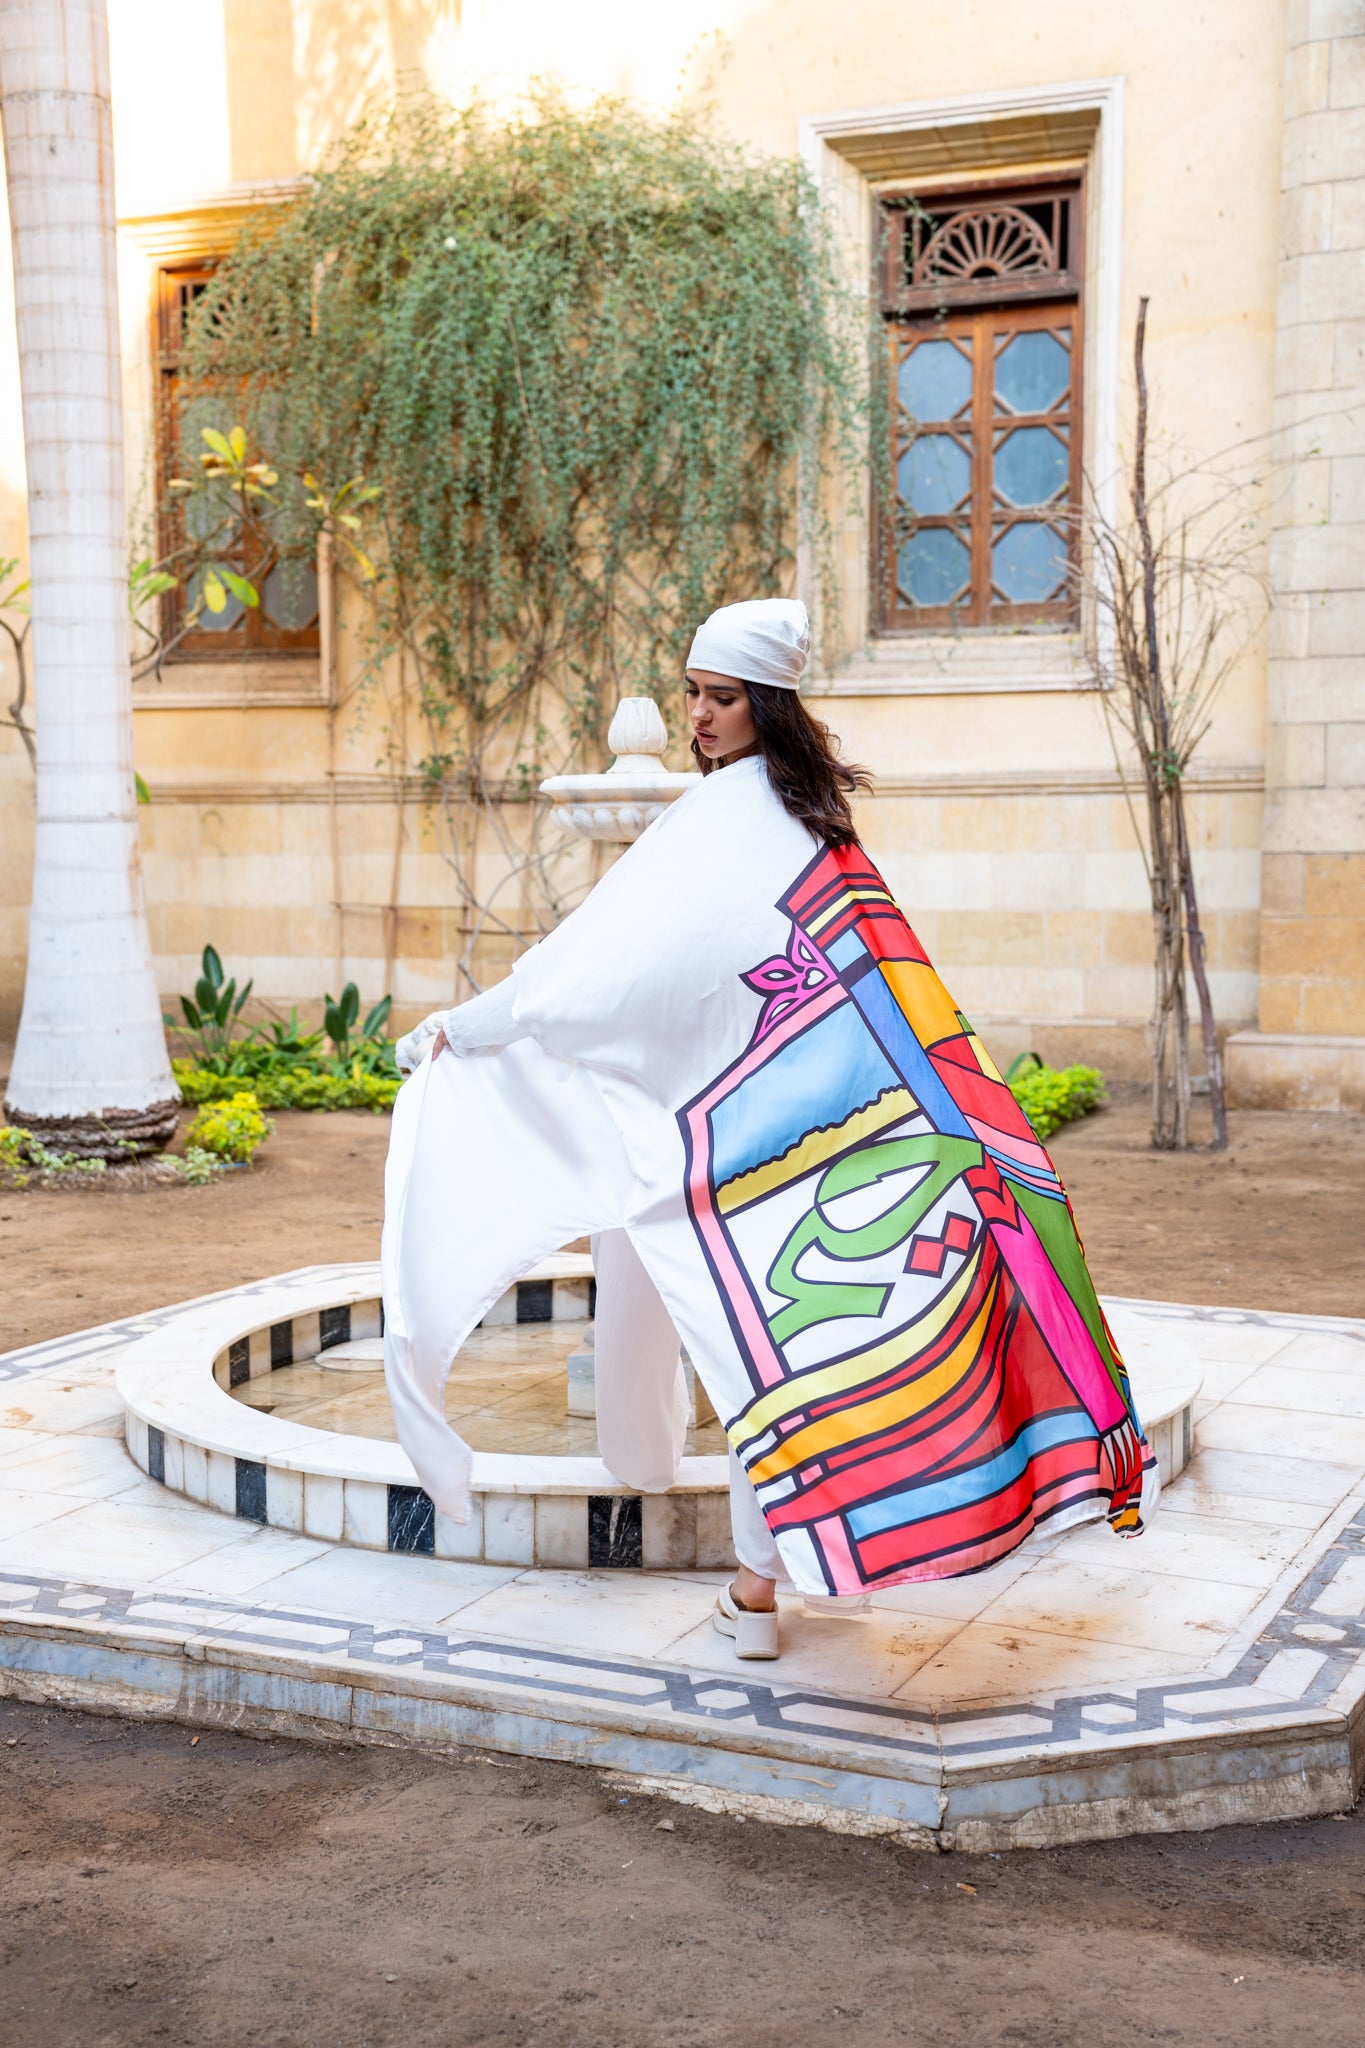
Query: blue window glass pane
{"points": [[289, 595], [214, 622], [934, 474], [1031, 466], [1032, 372], [935, 381], [934, 567], [1029, 563]]}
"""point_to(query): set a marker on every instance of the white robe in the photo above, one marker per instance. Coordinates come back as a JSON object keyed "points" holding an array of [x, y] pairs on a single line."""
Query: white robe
{"points": [[688, 965]]}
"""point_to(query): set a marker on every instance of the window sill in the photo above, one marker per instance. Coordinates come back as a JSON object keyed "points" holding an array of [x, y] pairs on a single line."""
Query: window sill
{"points": [[253, 679], [965, 664]]}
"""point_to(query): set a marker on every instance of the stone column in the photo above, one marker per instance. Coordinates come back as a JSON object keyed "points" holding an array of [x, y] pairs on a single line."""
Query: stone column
{"points": [[1310, 1049]]}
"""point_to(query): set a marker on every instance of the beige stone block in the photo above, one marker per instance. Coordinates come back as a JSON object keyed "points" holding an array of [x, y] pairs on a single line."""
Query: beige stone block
{"points": [[421, 935], [1346, 67], [1268, 1070], [997, 938], [1322, 557], [1337, 625], [1282, 885], [985, 992], [1306, 220], [1296, 756], [1346, 753], [312, 931], [1072, 938], [1313, 947], [1290, 627], [1124, 991], [1331, 18], [1279, 1004], [1336, 1006], [1348, 369], [1345, 500], [1306, 498], [1234, 940], [1322, 689], [1347, 212], [1323, 146], [1127, 939], [1314, 821], [1334, 885], [1228, 877], [1307, 79], [1113, 881]]}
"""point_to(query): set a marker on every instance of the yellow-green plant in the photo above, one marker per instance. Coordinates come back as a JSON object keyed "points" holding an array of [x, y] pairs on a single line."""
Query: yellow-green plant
{"points": [[1053, 1096], [230, 1130]]}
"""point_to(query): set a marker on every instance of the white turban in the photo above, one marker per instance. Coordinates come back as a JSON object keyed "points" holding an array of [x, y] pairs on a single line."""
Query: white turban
{"points": [[763, 640]]}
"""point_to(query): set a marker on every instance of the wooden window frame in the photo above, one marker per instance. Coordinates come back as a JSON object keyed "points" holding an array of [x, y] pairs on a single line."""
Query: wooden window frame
{"points": [[255, 634], [990, 310]]}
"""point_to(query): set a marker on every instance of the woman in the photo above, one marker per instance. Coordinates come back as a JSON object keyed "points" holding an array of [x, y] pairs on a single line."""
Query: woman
{"points": [[735, 1067]]}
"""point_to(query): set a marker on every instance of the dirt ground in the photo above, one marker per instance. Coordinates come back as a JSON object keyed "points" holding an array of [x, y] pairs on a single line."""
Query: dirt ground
{"points": [[224, 1891], [232, 1894], [1274, 1222]]}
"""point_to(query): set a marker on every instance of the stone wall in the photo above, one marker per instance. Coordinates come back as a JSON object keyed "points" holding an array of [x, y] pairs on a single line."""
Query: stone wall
{"points": [[1310, 1048]]}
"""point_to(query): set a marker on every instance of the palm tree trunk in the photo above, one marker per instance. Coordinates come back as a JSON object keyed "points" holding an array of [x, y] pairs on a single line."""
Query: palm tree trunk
{"points": [[90, 1073]]}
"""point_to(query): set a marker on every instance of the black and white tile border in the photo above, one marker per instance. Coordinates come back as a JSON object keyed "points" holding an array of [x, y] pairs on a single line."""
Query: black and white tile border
{"points": [[1276, 1733]]}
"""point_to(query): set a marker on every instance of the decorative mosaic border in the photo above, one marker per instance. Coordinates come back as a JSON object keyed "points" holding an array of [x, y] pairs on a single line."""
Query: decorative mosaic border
{"points": [[1315, 1643]]}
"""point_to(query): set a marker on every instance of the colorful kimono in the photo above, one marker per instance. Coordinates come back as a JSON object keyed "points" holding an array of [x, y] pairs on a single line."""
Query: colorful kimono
{"points": [[738, 1052]]}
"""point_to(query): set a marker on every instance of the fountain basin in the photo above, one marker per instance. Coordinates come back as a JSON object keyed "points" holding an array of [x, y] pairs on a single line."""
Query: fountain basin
{"points": [[185, 1429]]}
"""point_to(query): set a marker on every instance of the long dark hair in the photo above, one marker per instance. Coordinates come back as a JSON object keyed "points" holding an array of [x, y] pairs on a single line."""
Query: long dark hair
{"points": [[803, 764]]}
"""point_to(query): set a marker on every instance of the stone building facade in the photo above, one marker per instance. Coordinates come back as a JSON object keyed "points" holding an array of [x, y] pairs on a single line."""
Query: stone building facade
{"points": [[1214, 161], [1309, 1047]]}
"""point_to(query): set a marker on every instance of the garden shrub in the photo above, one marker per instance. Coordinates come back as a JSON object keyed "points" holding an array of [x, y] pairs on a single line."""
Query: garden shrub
{"points": [[231, 1129], [1053, 1096], [298, 1087]]}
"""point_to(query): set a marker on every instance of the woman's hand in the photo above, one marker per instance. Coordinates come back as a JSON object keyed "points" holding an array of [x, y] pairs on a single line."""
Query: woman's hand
{"points": [[410, 1051]]}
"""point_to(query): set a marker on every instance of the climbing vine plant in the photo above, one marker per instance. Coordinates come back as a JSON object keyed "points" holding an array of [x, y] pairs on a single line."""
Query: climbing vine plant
{"points": [[595, 372]]}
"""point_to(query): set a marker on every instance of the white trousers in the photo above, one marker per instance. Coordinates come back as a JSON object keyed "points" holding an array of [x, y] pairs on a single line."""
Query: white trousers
{"points": [[642, 1396]]}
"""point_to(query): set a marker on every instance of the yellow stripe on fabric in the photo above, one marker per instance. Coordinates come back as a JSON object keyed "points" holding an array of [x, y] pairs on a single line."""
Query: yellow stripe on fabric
{"points": [[824, 1381], [882, 1411], [841, 903], [984, 1060], [814, 1149]]}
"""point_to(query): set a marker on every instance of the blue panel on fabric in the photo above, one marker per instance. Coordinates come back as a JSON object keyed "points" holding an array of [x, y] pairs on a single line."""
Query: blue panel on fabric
{"points": [[819, 1078], [977, 1482], [913, 1064]]}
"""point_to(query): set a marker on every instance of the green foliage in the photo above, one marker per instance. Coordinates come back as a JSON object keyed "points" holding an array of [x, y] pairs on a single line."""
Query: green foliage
{"points": [[1053, 1096], [300, 1087], [576, 359], [284, 1066], [339, 1019], [24, 1158], [230, 1129], [213, 1011], [199, 1167]]}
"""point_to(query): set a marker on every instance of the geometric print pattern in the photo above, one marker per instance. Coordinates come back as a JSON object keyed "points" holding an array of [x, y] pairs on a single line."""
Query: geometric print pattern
{"points": [[932, 1376]]}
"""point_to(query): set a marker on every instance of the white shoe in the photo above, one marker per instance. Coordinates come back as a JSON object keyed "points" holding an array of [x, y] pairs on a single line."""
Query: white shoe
{"points": [[754, 1633]]}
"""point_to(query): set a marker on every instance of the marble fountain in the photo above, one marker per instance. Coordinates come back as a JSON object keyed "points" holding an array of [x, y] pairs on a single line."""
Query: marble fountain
{"points": [[204, 1517]]}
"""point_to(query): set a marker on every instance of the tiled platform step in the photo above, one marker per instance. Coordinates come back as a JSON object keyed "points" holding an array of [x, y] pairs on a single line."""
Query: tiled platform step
{"points": [[1272, 1730], [554, 1512], [1212, 1671]]}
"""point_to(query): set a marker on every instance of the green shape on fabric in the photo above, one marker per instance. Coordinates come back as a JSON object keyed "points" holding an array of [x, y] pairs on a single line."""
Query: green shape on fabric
{"points": [[818, 1301], [1052, 1221]]}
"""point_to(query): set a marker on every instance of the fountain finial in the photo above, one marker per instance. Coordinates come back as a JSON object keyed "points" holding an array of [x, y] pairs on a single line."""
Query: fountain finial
{"points": [[635, 790]]}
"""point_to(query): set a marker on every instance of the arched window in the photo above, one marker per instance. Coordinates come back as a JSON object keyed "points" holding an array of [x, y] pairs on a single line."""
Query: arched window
{"points": [[982, 302]]}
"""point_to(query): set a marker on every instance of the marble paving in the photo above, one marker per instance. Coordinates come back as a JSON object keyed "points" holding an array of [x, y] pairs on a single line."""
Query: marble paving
{"points": [[1213, 1670]]}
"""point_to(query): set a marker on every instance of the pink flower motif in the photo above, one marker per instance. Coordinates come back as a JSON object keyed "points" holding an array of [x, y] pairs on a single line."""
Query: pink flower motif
{"points": [[788, 980]]}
